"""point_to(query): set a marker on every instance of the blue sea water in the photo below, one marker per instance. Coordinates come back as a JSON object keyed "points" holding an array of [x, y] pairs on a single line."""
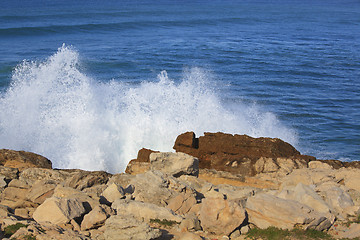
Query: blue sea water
{"points": [[89, 83]]}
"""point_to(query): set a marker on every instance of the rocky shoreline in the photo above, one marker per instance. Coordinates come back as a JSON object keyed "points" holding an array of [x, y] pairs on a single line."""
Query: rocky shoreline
{"points": [[217, 186]]}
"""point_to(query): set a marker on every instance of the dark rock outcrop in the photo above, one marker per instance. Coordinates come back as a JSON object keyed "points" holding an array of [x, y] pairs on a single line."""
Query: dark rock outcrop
{"points": [[236, 153], [22, 160], [141, 164]]}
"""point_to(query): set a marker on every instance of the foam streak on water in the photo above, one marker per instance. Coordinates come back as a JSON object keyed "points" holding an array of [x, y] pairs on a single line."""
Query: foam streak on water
{"points": [[55, 110]]}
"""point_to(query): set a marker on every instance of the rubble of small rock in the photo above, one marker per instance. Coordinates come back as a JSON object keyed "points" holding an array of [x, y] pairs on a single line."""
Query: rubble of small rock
{"points": [[217, 186]]}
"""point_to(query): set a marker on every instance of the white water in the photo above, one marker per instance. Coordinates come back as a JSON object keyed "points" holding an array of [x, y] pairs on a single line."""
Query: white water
{"points": [[55, 110]]}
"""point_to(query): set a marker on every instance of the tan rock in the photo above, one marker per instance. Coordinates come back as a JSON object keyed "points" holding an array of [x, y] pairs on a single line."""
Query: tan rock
{"points": [[237, 192], [190, 223], [3, 183], [351, 178], [266, 210], [113, 192], [146, 211], [85, 179], [71, 193], [221, 216], [13, 196], [9, 173], [308, 176], [152, 187], [352, 232], [135, 168], [95, 218], [23, 160], [319, 164], [58, 210], [22, 212], [339, 200], [40, 191], [125, 227], [265, 165], [121, 179], [31, 175], [307, 196], [175, 164], [189, 236], [182, 203]]}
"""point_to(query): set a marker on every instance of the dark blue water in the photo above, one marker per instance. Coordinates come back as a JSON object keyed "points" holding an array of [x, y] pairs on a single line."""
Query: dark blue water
{"points": [[288, 69]]}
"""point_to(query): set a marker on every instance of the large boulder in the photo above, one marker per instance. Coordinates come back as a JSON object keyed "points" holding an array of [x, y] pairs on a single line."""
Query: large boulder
{"points": [[175, 164], [238, 153], [266, 210], [221, 216], [126, 227], [22, 160], [58, 210], [152, 187]]}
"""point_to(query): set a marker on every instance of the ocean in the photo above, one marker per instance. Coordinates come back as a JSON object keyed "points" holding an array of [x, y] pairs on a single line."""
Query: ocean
{"points": [[89, 83]]}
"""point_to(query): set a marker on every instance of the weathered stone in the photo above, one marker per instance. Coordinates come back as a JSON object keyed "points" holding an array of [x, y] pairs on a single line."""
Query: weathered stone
{"points": [[182, 203], [9, 173], [265, 165], [352, 232], [145, 211], [306, 195], [2, 182], [236, 192], [267, 210], [135, 168], [23, 160], [22, 212], [351, 178], [113, 192], [85, 179], [221, 216], [190, 223], [339, 200], [95, 218], [71, 193], [152, 187], [31, 175], [13, 196], [308, 177], [141, 164], [175, 164], [319, 164], [40, 191], [5, 211], [58, 210], [189, 236], [125, 227], [121, 179]]}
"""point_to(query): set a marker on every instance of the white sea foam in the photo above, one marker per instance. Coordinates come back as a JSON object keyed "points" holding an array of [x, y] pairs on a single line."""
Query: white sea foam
{"points": [[53, 109]]}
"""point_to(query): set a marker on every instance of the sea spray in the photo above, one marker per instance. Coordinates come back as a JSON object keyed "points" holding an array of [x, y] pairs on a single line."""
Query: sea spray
{"points": [[54, 109]]}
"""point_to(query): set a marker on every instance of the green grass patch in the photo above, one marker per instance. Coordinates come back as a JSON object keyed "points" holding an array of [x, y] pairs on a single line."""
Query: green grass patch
{"points": [[273, 233], [11, 229], [164, 222]]}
